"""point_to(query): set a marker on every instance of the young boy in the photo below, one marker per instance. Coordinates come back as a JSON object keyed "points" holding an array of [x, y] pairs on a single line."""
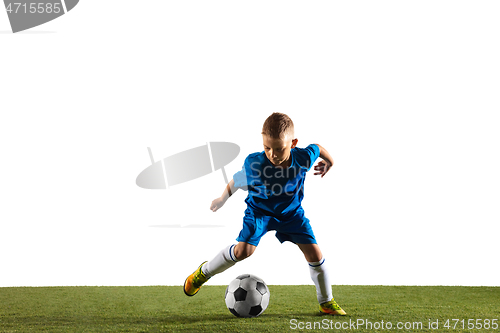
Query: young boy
{"points": [[274, 180]]}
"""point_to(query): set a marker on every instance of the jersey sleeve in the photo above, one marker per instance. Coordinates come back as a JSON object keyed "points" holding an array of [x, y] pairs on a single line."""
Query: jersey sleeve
{"points": [[242, 177], [308, 156]]}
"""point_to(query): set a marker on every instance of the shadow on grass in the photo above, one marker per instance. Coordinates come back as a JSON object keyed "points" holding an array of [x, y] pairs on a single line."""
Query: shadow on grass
{"points": [[158, 319], [229, 317]]}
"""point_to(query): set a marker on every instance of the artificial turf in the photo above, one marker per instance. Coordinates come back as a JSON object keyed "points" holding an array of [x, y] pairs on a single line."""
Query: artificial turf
{"points": [[167, 309]]}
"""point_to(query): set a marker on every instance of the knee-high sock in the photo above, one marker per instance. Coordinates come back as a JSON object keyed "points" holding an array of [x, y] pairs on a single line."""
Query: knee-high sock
{"points": [[220, 262], [319, 275]]}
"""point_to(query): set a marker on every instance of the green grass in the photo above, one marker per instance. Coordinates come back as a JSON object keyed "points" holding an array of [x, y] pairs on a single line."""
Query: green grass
{"points": [[167, 309]]}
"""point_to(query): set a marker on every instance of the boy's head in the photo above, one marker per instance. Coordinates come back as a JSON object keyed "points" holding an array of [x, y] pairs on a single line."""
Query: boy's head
{"points": [[278, 138]]}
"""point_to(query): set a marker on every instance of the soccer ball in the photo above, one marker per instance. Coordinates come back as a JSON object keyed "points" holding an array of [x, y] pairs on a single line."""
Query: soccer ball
{"points": [[247, 296]]}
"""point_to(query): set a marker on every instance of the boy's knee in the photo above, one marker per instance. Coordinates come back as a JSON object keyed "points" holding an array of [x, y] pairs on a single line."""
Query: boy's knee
{"points": [[243, 250], [313, 256], [312, 253]]}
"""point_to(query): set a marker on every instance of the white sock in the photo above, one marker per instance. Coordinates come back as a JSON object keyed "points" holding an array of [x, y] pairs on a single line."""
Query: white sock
{"points": [[319, 275], [220, 262]]}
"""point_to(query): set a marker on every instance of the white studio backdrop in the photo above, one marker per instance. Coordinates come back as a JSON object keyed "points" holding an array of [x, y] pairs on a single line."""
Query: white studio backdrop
{"points": [[403, 95]]}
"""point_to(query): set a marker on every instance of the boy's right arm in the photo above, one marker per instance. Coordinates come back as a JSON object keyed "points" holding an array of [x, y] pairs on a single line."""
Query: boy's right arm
{"points": [[228, 191]]}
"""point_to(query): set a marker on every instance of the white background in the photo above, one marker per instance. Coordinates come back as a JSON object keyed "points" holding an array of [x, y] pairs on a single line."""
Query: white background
{"points": [[404, 95]]}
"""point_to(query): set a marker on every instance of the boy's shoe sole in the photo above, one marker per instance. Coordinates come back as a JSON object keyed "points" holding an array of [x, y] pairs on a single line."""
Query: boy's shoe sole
{"points": [[192, 285], [332, 308]]}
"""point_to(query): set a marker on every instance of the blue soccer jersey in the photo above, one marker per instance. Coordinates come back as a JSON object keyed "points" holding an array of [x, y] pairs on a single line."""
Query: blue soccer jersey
{"points": [[276, 191]]}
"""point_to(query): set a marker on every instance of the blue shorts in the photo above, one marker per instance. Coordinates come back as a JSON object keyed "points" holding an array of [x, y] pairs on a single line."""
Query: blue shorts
{"points": [[295, 229]]}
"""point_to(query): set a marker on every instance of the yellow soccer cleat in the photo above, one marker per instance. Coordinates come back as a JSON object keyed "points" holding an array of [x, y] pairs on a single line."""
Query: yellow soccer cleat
{"points": [[194, 281], [331, 308]]}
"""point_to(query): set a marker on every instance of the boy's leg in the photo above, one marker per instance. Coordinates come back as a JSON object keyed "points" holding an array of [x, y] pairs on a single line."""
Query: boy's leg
{"points": [[222, 261], [320, 277], [253, 229], [227, 258], [318, 271], [244, 250]]}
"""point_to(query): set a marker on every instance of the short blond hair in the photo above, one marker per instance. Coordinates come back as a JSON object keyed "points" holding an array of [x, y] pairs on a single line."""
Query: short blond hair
{"points": [[277, 125]]}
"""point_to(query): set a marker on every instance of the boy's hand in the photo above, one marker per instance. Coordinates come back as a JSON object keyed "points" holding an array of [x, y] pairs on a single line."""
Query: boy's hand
{"points": [[322, 167], [217, 203]]}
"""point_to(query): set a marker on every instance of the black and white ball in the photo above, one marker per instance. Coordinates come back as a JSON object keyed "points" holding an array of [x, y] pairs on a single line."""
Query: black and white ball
{"points": [[247, 296]]}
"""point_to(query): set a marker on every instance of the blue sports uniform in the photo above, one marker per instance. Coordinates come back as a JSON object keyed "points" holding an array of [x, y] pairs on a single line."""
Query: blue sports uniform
{"points": [[274, 197]]}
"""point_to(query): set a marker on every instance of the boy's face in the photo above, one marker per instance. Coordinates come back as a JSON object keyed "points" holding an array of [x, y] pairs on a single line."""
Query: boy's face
{"points": [[278, 150]]}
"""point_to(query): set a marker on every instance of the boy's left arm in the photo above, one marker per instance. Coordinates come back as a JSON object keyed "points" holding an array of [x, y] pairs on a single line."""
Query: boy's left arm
{"points": [[323, 166]]}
